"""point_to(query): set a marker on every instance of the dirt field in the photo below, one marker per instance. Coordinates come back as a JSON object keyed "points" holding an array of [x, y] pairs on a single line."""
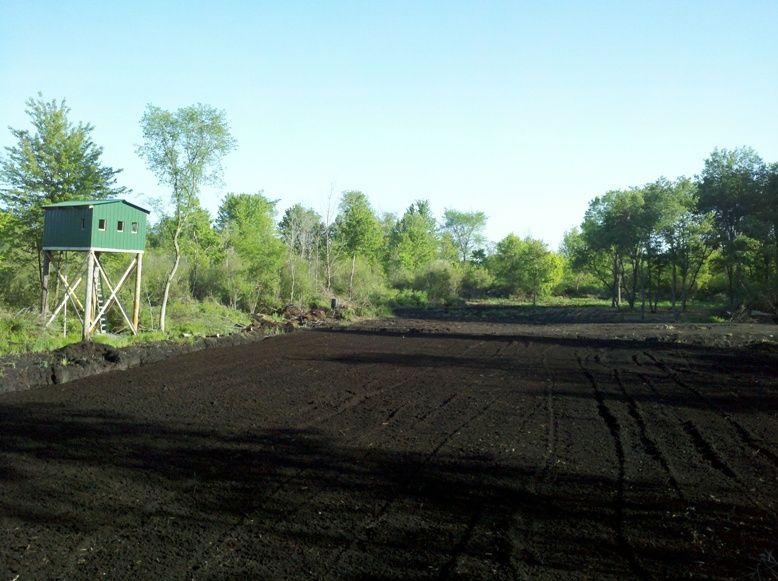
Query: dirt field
{"points": [[504, 444]]}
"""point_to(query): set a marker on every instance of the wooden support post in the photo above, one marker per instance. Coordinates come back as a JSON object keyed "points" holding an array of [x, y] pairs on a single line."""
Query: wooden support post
{"points": [[45, 284], [136, 296], [90, 292]]}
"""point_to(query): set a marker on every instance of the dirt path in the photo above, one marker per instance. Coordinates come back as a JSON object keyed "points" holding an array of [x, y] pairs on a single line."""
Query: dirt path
{"points": [[401, 449]]}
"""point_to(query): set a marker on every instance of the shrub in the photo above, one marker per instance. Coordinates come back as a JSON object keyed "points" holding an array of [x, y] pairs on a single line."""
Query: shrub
{"points": [[440, 280], [411, 298], [476, 282]]}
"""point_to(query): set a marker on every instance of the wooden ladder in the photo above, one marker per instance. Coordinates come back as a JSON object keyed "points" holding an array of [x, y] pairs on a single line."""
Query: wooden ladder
{"points": [[100, 302]]}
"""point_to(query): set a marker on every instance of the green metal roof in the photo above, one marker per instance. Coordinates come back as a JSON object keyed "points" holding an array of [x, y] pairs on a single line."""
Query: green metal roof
{"points": [[71, 203]]}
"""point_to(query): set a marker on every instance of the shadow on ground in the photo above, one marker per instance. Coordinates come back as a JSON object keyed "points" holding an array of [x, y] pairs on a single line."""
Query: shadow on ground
{"points": [[88, 493]]}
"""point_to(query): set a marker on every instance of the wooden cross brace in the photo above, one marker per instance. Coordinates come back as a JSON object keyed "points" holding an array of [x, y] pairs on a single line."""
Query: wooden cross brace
{"points": [[113, 297], [70, 294]]}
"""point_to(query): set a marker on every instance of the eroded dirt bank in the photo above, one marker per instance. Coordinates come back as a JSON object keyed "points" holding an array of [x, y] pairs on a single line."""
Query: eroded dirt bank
{"points": [[88, 358], [410, 448]]}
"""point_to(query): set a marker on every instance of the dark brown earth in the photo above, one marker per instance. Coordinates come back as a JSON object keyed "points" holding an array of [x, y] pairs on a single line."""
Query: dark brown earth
{"points": [[522, 443]]}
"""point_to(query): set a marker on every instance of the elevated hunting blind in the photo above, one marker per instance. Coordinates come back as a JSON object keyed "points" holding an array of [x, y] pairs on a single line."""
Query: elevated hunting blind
{"points": [[99, 225], [93, 227]]}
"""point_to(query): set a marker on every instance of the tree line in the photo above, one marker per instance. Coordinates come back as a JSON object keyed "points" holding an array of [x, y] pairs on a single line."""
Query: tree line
{"points": [[670, 240]]}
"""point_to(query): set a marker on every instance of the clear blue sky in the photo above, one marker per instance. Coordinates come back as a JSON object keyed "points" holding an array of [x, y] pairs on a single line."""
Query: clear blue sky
{"points": [[525, 110]]}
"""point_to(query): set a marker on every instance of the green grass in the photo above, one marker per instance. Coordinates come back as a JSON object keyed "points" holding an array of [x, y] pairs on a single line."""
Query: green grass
{"points": [[559, 301], [23, 332], [204, 318]]}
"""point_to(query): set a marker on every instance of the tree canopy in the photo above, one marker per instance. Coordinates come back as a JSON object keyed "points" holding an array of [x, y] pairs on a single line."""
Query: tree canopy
{"points": [[413, 239], [184, 150], [466, 230], [55, 161]]}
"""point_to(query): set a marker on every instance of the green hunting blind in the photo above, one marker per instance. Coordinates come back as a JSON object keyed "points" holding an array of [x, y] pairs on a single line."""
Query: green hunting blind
{"points": [[94, 227], [99, 225]]}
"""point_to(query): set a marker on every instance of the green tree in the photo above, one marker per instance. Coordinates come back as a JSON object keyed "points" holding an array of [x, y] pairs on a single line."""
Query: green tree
{"points": [[200, 245], [302, 231], [656, 212], [6, 247], [184, 150], [413, 242], [526, 266], [579, 275], [247, 222], [770, 213], [466, 230], [688, 236], [54, 162], [614, 232], [359, 231], [730, 187]]}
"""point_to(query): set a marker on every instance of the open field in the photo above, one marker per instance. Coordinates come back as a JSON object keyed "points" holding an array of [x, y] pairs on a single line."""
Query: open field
{"points": [[493, 444]]}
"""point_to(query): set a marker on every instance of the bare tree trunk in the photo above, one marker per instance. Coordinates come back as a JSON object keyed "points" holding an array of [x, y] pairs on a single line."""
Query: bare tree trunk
{"points": [[45, 284], [254, 301], [775, 235], [632, 293], [293, 270], [316, 265], [351, 278], [328, 266], [731, 286], [615, 294], [328, 240], [169, 279], [648, 285], [657, 285]]}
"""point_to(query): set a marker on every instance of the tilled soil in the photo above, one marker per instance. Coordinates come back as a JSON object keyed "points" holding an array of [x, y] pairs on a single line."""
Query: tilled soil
{"points": [[406, 448]]}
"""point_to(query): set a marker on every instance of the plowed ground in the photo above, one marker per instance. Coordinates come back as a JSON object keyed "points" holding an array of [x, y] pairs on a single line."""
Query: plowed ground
{"points": [[401, 449]]}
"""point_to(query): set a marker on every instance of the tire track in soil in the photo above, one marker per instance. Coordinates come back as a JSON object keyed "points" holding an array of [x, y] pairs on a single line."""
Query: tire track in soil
{"points": [[700, 445], [743, 433], [612, 423], [474, 518], [350, 404], [505, 545], [360, 399], [661, 411], [390, 410], [418, 420], [705, 450], [649, 445], [367, 452], [512, 553], [196, 569], [374, 521]]}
